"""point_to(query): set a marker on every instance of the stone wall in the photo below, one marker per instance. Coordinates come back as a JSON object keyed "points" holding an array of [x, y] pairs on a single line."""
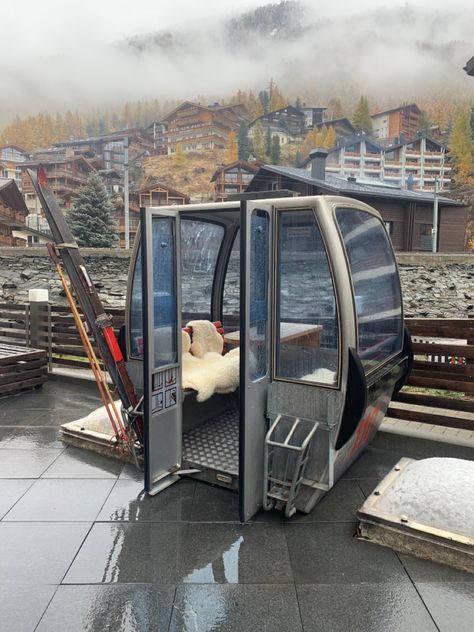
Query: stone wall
{"points": [[433, 285]]}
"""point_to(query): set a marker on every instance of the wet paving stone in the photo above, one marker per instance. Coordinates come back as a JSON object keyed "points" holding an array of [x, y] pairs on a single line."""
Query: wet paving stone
{"points": [[373, 463], [236, 608], [11, 490], [130, 553], [38, 552], [77, 463], [62, 500], [214, 504], [21, 606], [35, 439], [26, 463], [19, 416], [109, 608], [427, 571], [363, 607], [128, 502], [236, 554], [340, 504], [451, 604], [330, 554]]}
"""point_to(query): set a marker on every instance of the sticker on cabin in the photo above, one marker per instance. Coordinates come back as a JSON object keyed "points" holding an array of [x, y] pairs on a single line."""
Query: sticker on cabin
{"points": [[170, 377], [158, 381], [157, 402], [170, 397]]}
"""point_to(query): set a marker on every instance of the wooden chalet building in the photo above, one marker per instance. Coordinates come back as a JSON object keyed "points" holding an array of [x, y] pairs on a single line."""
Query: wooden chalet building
{"points": [[11, 158], [233, 178], [65, 175], [342, 126], [151, 195], [13, 212], [288, 123], [196, 127], [397, 124], [408, 215]]}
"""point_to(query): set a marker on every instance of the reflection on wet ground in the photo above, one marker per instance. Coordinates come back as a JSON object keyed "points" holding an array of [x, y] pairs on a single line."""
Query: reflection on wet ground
{"points": [[82, 548]]}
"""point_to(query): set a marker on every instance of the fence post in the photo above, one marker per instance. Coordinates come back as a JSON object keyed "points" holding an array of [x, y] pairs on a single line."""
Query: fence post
{"points": [[40, 321]]}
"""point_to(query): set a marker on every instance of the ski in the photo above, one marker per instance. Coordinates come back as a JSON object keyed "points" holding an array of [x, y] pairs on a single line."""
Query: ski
{"points": [[98, 321]]}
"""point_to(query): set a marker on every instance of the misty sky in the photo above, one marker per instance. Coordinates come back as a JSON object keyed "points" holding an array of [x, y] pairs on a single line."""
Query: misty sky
{"points": [[56, 54]]}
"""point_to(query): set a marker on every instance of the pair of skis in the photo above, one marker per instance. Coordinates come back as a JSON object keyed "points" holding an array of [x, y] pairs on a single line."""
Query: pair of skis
{"points": [[98, 321]]}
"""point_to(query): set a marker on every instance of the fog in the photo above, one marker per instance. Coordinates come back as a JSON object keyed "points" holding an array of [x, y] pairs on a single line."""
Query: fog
{"points": [[57, 55]]}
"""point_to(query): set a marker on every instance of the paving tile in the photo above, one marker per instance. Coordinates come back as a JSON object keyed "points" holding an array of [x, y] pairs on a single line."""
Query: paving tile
{"points": [[26, 463], [18, 415], [62, 500], [109, 608], [38, 552], [451, 604], [79, 463], [330, 554], [21, 606], [11, 490], [128, 501], [427, 571], [368, 485], [131, 472], [35, 439], [338, 505], [56, 417], [6, 435], [214, 504], [236, 608], [54, 395], [373, 463], [235, 554], [391, 607], [142, 552]]}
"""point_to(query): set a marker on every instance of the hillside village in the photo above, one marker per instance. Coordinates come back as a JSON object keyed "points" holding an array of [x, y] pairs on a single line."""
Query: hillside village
{"points": [[199, 152]]}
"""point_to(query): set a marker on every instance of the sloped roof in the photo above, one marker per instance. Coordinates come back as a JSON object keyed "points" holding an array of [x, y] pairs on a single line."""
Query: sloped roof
{"points": [[211, 108], [335, 184], [160, 185], [10, 194], [250, 166], [400, 107]]}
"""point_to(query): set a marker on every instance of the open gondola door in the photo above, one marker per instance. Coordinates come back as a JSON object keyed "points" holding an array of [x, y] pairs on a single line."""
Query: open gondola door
{"points": [[256, 284], [161, 302]]}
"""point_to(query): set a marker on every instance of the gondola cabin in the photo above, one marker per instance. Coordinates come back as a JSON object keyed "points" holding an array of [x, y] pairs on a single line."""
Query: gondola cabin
{"points": [[267, 339]]}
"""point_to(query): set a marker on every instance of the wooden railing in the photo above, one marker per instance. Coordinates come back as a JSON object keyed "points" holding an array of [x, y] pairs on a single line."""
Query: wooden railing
{"points": [[440, 389]]}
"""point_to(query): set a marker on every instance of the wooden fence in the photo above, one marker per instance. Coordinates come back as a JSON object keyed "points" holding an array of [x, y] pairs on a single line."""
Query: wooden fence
{"points": [[440, 389]]}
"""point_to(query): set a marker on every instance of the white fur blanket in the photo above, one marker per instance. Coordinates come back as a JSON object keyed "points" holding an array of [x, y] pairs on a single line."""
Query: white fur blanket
{"points": [[205, 338], [210, 373]]}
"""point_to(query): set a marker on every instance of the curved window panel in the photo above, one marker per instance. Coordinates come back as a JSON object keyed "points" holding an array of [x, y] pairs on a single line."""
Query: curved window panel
{"points": [[307, 320], [258, 294], [200, 244], [378, 299], [231, 293], [136, 313]]}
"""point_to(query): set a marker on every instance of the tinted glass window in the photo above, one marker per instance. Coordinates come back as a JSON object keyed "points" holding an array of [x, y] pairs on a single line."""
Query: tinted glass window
{"points": [[258, 292], [200, 244], [376, 285], [164, 291], [136, 314], [307, 321]]}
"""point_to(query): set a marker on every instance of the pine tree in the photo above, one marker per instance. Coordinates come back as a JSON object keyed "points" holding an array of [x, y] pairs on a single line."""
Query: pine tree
{"points": [[335, 109], [243, 141], [268, 142], [259, 141], [425, 123], [264, 99], [330, 138], [275, 150], [361, 120], [90, 218]]}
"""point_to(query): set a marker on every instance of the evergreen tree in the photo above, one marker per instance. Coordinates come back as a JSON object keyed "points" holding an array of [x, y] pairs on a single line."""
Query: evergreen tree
{"points": [[90, 218], [264, 99], [298, 103], [259, 141], [275, 150], [425, 123], [243, 141], [268, 142], [361, 120]]}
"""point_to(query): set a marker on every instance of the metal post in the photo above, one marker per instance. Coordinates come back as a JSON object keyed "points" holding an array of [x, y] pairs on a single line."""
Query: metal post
{"points": [[125, 193], [434, 230]]}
